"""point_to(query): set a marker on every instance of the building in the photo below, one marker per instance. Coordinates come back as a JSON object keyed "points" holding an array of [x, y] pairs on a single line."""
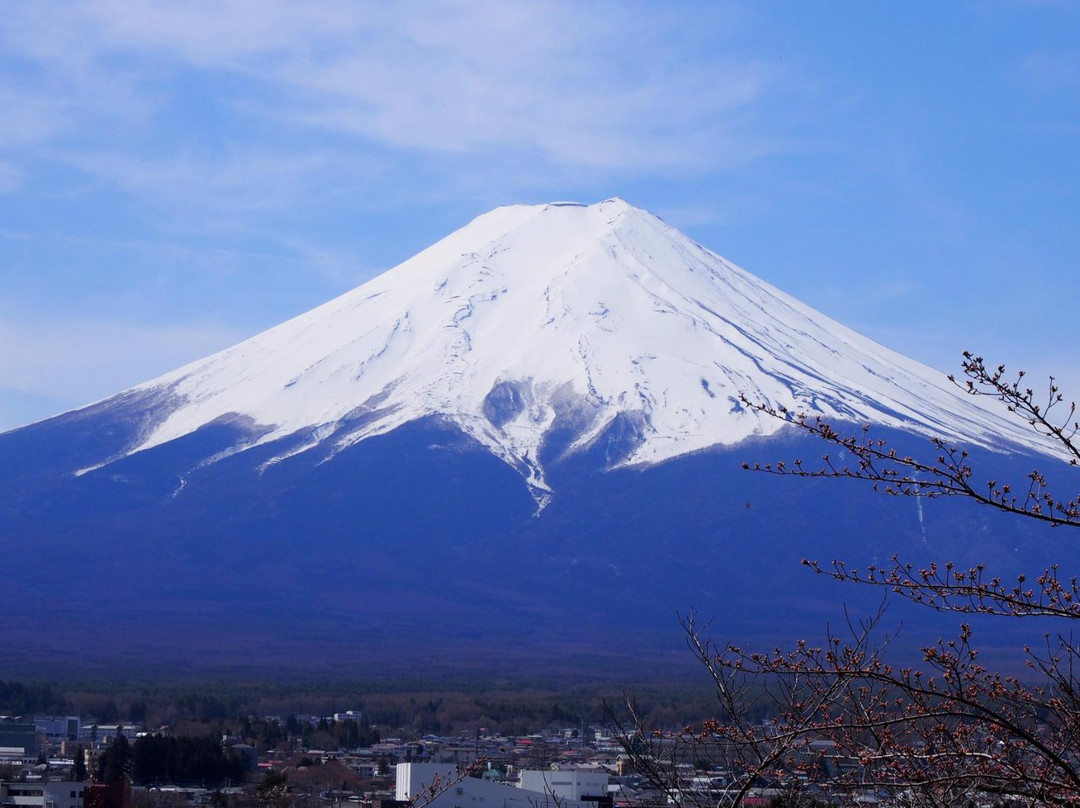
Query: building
{"points": [[350, 715], [41, 795], [59, 728], [18, 734], [437, 785], [578, 785], [98, 737]]}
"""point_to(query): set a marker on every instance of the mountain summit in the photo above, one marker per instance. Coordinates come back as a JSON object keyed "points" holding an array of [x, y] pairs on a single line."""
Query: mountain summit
{"points": [[518, 451], [536, 329]]}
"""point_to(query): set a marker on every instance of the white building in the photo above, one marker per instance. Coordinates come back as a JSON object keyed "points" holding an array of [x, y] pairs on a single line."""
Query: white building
{"points": [[438, 785], [41, 795], [567, 784]]}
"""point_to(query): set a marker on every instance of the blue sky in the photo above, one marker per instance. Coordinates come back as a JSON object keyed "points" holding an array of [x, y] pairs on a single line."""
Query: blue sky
{"points": [[176, 177]]}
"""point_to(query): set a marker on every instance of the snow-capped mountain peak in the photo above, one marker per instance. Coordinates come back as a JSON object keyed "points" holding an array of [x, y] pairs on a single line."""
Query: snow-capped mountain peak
{"points": [[563, 321]]}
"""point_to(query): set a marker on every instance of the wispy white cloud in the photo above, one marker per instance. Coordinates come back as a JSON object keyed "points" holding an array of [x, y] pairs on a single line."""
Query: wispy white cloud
{"points": [[561, 86], [213, 192], [550, 78]]}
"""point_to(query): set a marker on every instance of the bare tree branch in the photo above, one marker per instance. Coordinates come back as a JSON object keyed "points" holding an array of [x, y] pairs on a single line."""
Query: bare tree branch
{"points": [[934, 734], [948, 472]]}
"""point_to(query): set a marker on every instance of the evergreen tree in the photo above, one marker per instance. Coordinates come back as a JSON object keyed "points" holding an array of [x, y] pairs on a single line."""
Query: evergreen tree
{"points": [[78, 772], [115, 762]]}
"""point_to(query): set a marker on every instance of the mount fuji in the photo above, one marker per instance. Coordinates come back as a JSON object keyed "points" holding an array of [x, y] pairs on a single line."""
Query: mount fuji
{"points": [[518, 445]]}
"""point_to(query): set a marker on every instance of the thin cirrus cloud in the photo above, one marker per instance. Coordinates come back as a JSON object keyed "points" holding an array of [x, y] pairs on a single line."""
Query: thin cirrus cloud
{"points": [[591, 86], [216, 191]]}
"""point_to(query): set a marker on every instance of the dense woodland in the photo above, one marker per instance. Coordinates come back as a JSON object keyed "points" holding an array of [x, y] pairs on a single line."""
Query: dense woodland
{"points": [[17, 698], [389, 709]]}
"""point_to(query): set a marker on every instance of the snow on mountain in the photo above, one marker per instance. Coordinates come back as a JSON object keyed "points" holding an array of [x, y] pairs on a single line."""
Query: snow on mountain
{"points": [[561, 319]]}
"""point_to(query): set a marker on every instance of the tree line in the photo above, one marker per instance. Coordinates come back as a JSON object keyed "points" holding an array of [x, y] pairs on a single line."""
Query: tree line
{"points": [[155, 759], [17, 698]]}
